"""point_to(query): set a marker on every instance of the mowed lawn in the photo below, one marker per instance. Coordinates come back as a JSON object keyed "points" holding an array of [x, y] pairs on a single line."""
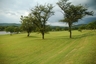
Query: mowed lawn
{"points": [[56, 48]]}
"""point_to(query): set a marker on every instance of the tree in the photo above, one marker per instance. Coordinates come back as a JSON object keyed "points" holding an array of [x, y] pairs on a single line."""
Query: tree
{"points": [[80, 28], [26, 24], [2, 28], [41, 14], [10, 29], [72, 13], [17, 29], [92, 25], [58, 28]]}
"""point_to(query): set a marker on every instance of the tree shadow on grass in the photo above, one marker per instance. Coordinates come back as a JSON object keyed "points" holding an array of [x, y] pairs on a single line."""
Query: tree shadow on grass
{"points": [[75, 36], [31, 37], [57, 38], [63, 37], [83, 35]]}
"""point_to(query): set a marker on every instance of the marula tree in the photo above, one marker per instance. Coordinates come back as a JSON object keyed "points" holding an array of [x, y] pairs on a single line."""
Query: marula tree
{"points": [[72, 13], [10, 29], [26, 24], [41, 14]]}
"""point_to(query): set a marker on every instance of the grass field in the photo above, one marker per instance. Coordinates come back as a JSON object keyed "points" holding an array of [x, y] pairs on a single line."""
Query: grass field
{"points": [[56, 48]]}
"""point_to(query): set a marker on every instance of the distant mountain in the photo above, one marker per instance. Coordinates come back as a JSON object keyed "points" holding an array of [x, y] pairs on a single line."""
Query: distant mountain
{"points": [[9, 24], [78, 25], [17, 24]]}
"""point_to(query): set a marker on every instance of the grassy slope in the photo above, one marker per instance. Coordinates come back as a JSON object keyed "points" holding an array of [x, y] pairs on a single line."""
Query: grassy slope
{"points": [[57, 48]]}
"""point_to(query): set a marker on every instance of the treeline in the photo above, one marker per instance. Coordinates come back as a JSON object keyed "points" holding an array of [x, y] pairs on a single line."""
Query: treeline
{"points": [[90, 26], [18, 29], [50, 28], [11, 29]]}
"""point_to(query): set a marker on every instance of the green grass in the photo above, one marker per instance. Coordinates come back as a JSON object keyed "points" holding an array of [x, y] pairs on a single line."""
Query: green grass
{"points": [[56, 48]]}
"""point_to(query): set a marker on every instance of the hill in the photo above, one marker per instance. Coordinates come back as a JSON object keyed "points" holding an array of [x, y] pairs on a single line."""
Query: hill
{"points": [[9, 24]]}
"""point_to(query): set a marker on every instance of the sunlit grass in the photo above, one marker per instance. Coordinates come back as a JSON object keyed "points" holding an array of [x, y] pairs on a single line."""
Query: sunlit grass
{"points": [[56, 48]]}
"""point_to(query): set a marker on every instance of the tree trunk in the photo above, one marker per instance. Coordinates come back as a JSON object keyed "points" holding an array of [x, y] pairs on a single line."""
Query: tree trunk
{"points": [[28, 34], [42, 35], [70, 31], [17, 32], [94, 29], [70, 34], [11, 33]]}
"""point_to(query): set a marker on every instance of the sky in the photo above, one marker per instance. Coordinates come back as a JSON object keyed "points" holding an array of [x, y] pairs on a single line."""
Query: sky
{"points": [[11, 10]]}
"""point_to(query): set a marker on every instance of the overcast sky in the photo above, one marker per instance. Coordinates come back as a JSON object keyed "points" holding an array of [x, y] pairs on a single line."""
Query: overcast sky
{"points": [[11, 10]]}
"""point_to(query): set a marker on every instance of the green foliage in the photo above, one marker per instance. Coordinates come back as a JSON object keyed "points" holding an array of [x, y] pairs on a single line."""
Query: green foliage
{"points": [[10, 29], [2, 28], [72, 13], [17, 29], [80, 29], [58, 28], [41, 14], [27, 24], [91, 25]]}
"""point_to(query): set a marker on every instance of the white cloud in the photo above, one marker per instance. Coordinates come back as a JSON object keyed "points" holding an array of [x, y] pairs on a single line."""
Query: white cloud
{"points": [[76, 2], [57, 24], [11, 10]]}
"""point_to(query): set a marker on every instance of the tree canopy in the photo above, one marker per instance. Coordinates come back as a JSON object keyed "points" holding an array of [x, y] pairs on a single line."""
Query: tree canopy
{"points": [[41, 14], [27, 24], [72, 13], [10, 29]]}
